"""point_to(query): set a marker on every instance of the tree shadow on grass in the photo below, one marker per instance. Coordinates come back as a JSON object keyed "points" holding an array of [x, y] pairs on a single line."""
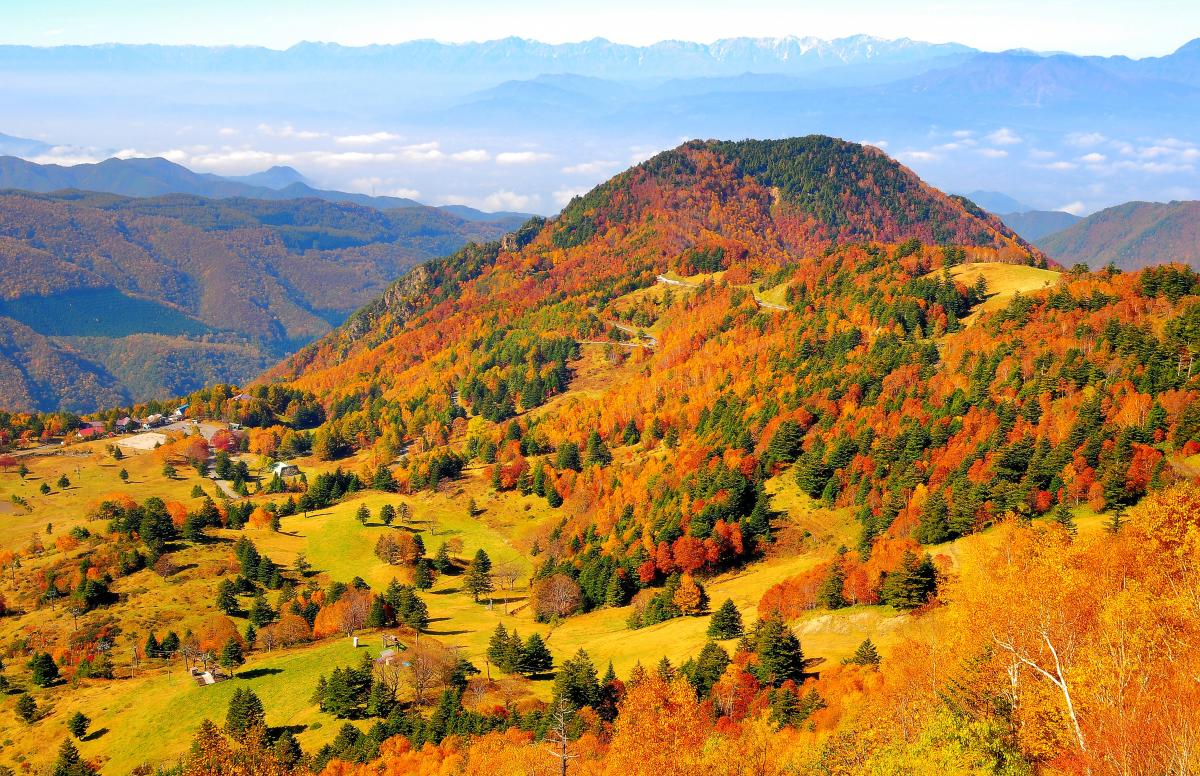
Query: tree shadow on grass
{"points": [[95, 734], [446, 632], [255, 673]]}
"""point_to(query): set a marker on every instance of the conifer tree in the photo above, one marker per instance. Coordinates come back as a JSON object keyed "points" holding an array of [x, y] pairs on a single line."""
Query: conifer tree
{"points": [[478, 578], [865, 655], [78, 724], [726, 622], [231, 655], [245, 712], [27, 708], [535, 657], [42, 669]]}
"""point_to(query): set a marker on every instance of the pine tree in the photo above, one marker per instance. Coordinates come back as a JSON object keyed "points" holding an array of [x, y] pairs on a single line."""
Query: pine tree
{"points": [[1116, 521], [423, 574], [597, 452], [287, 749], [78, 724], [780, 657], [441, 561], [535, 657], [227, 597], [69, 763], [245, 712], [170, 642], [478, 579], [387, 514], [231, 655], [865, 655], [1062, 515], [152, 649], [830, 595], [261, 613], [43, 670], [27, 708], [567, 457], [726, 622]]}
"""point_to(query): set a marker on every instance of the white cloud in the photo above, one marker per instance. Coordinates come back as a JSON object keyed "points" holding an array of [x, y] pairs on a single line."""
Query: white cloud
{"points": [[590, 168], [1074, 208], [471, 155], [287, 130], [368, 139], [1041, 153], [520, 157], [565, 194], [880, 144], [1085, 139], [1003, 136], [382, 187], [227, 131], [917, 156], [1093, 158], [963, 133], [1060, 166], [993, 153], [510, 200]]}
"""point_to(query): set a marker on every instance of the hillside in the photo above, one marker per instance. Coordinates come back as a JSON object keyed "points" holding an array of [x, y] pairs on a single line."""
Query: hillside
{"points": [[1033, 225], [232, 284], [762, 457], [1131, 236]]}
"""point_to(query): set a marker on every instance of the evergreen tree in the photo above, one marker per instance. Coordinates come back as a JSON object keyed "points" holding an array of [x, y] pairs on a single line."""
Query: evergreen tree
{"points": [[43, 671], [1062, 515], [500, 650], [567, 457], [707, 669], [441, 560], [363, 514], [152, 649], [231, 655], [726, 622], [78, 724], [780, 657], [478, 579], [910, 585], [287, 749], [423, 574], [227, 597], [27, 709], [69, 763], [170, 642], [576, 682], [535, 657], [865, 655], [387, 514], [830, 595], [245, 712], [597, 453], [1116, 521], [261, 613]]}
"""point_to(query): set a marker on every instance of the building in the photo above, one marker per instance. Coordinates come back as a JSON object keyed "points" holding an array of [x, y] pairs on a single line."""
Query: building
{"points": [[285, 469], [125, 423]]}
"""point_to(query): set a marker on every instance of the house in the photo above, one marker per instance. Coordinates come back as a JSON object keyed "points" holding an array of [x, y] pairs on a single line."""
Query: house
{"points": [[285, 469], [90, 432], [182, 408], [125, 423], [242, 397], [154, 420]]}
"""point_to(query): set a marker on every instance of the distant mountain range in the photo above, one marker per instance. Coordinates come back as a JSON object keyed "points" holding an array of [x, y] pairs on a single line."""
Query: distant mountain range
{"points": [[151, 177], [1131, 236], [520, 125], [107, 299], [1033, 225]]}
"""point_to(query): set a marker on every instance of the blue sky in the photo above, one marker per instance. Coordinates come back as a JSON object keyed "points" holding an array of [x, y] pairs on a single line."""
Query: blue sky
{"points": [[1145, 28]]}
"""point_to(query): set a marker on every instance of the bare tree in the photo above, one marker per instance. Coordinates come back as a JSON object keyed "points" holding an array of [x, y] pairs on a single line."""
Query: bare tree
{"points": [[426, 669], [356, 612], [556, 596], [557, 739]]}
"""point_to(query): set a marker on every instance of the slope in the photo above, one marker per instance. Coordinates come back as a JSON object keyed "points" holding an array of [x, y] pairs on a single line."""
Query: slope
{"points": [[1131, 236], [237, 283]]}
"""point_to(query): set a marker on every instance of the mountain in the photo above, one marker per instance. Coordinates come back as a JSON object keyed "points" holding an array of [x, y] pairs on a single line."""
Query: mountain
{"points": [[1131, 236], [773, 203], [132, 298], [20, 146], [997, 202], [277, 177], [1033, 225], [150, 177]]}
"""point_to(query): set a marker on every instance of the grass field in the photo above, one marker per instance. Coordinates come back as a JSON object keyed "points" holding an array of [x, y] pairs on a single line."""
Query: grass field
{"points": [[1004, 282]]}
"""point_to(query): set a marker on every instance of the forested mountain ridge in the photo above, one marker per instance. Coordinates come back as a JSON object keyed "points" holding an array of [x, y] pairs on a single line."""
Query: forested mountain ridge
{"points": [[1131, 236], [236, 283]]}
